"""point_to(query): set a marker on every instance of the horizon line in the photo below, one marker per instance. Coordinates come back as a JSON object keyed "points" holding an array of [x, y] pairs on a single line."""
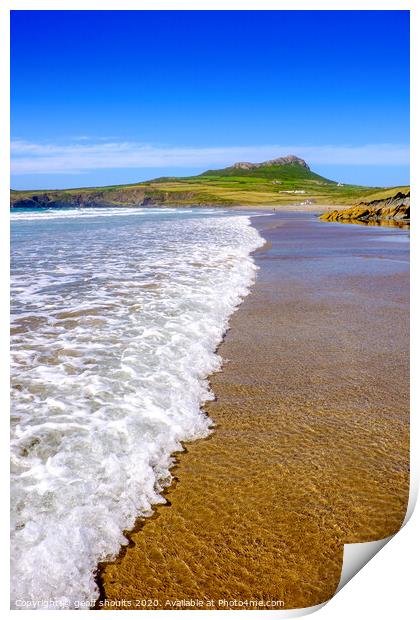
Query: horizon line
{"points": [[79, 157]]}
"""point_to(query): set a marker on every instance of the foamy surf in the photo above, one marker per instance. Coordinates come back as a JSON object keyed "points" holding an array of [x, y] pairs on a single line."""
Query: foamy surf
{"points": [[115, 325]]}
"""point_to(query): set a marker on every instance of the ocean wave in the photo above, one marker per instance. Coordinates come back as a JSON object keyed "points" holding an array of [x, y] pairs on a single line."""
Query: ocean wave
{"points": [[74, 212], [115, 328]]}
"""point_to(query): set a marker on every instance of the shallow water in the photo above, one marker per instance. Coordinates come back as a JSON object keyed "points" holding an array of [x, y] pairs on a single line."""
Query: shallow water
{"points": [[311, 445], [116, 317]]}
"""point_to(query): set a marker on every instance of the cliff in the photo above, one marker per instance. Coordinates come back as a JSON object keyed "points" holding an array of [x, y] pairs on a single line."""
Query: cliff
{"points": [[137, 196]]}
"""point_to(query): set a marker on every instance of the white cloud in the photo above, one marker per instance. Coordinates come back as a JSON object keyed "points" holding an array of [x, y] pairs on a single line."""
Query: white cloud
{"points": [[39, 158]]}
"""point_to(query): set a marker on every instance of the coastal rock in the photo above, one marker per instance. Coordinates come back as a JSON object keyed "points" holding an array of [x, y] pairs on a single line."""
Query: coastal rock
{"points": [[131, 196], [395, 207]]}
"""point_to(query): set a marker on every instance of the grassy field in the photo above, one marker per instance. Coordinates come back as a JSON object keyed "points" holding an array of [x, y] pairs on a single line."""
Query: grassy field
{"points": [[264, 185]]}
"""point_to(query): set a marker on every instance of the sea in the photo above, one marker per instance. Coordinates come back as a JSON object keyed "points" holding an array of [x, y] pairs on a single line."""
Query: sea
{"points": [[116, 318]]}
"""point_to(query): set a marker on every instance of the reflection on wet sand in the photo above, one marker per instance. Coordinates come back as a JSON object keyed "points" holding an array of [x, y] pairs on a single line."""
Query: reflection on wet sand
{"points": [[388, 223]]}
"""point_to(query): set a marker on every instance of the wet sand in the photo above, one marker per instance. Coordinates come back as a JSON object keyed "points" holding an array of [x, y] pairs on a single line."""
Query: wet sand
{"points": [[292, 208], [310, 449]]}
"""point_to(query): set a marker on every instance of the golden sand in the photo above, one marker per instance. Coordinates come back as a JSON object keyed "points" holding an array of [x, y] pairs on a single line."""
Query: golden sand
{"points": [[310, 449]]}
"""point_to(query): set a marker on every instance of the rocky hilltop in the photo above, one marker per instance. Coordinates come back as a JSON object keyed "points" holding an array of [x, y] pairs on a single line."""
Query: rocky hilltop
{"points": [[280, 161], [396, 207]]}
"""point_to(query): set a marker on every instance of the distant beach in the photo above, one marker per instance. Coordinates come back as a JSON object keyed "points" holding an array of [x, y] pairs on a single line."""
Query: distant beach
{"points": [[310, 447]]}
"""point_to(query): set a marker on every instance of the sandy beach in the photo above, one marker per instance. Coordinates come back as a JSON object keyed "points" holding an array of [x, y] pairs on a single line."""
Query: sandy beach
{"points": [[310, 447]]}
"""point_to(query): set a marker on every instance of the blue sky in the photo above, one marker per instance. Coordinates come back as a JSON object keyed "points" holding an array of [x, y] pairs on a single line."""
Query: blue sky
{"points": [[103, 97]]}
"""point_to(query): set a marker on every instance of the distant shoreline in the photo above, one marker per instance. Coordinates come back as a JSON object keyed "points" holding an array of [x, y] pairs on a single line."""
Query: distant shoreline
{"points": [[268, 184]]}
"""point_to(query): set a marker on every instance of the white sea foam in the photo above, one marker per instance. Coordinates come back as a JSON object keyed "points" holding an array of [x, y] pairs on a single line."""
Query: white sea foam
{"points": [[115, 323], [66, 213]]}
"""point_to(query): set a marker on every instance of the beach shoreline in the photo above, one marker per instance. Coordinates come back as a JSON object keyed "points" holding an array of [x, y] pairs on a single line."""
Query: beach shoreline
{"points": [[310, 446], [291, 208]]}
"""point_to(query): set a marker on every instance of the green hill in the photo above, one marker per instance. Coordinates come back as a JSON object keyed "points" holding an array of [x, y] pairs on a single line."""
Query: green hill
{"points": [[285, 180], [289, 168]]}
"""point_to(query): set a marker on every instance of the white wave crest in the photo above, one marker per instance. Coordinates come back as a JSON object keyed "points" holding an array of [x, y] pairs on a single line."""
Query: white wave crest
{"points": [[115, 327]]}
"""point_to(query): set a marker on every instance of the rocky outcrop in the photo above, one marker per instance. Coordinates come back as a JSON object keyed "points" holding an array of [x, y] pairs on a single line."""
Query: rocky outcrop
{"points": [[396, 207], [82, 198], [280, 161]]}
